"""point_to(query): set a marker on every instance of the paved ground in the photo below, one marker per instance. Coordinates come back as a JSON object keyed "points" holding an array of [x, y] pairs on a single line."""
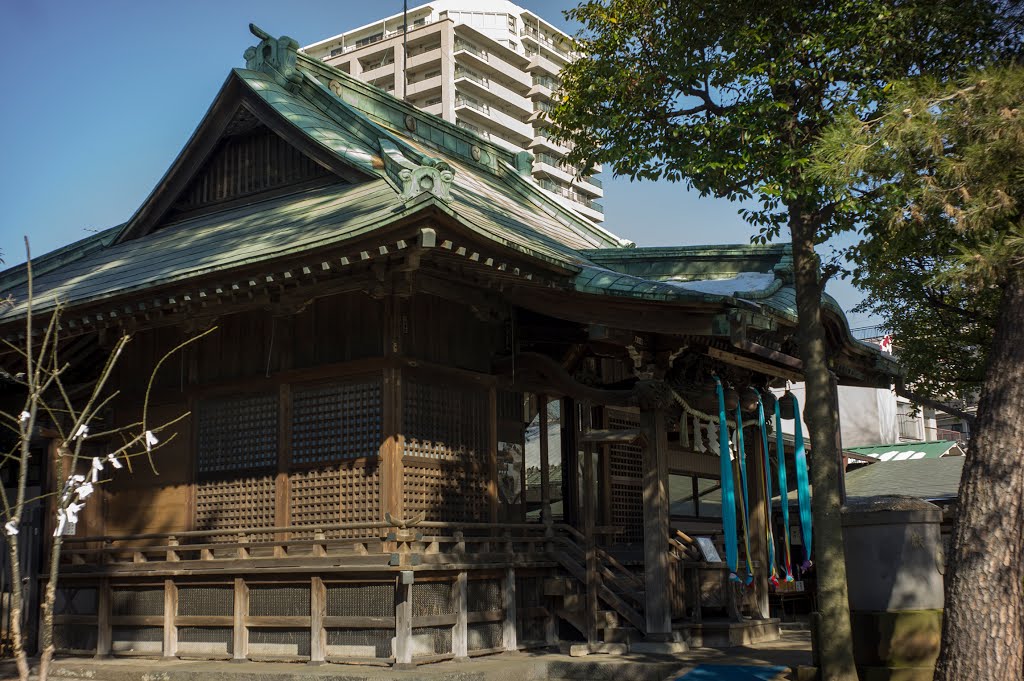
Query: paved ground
{"points": [[792, 650]]}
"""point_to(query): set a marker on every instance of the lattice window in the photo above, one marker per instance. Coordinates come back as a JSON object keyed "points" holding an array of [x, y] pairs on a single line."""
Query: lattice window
{"points": [[237, 434], [445, 422], [75, 637], [361, 600], [625, 463], [445, 492], [484, 595], [432, 598], [235, 504], [339, 421], [349, 494], [279, 601], [206, 601], [137, 602]]}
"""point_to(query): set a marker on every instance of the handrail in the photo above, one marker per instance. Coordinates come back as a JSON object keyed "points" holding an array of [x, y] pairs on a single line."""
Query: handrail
{"points": [[395, 524]]}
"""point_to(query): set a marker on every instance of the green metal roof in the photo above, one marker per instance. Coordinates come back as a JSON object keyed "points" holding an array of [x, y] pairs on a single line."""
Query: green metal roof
{"points": [[907, 451], [935, 479]]}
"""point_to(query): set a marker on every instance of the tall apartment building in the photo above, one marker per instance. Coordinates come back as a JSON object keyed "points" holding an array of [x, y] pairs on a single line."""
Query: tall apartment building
{"points": [[487, 65]]}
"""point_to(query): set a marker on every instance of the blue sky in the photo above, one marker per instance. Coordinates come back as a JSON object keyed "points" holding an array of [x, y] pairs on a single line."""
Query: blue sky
{"points": [[100, 97]]}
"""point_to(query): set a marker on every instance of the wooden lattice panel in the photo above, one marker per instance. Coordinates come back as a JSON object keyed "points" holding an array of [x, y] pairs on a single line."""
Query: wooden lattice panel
{"points": [[350, 494], [235, 504], [445, 492], [237, 434], [445, 422], [337, 421], [625, 463]]}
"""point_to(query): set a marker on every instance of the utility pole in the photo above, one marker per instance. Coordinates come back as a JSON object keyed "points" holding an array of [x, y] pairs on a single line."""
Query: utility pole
{"points": [[405, 49]]}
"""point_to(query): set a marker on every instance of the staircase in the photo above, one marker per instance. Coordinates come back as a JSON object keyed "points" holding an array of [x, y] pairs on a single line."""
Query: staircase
{"points": [[618, 589]]}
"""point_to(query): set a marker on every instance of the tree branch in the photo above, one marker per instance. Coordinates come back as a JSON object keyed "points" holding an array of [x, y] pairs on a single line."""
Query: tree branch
{"points": [[903, 391]]}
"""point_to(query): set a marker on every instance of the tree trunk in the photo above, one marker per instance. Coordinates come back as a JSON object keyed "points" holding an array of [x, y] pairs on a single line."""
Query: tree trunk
{"points": [[983, 623], [16, 608], [835, 641]]}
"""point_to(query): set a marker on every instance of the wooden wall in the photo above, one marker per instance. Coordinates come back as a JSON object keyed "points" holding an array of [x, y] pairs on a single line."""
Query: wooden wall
{"points": [[280, 371]]}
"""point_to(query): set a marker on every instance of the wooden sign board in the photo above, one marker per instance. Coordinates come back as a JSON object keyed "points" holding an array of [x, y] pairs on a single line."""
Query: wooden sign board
{"points": [[708, 550]]}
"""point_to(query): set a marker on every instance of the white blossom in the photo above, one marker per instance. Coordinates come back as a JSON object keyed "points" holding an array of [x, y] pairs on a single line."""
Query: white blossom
{"points": [[25, 417]]}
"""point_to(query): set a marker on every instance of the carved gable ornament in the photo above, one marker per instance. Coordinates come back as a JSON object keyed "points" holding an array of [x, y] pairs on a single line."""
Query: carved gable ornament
{"points": [[436, 180], [276, 56]]}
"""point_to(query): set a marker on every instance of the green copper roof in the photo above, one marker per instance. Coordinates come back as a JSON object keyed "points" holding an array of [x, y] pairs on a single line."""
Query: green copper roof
{"points": [[936, 479], [910, 451]]}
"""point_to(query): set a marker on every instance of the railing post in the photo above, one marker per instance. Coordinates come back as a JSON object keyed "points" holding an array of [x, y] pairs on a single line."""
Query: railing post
{"points": [[172, 554], [508, 634], [657, 611], [243, 551], [170, 612], [317, 611], [403, 620], [103, 631], [460, 633], [240, 635], [319, 549]]}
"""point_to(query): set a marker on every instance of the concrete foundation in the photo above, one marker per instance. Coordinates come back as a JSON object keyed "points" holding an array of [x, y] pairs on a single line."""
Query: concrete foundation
{"points": [[726, 634]]}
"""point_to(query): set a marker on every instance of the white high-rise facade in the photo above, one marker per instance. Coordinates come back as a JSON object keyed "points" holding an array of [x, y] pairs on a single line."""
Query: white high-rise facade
{"points": [[487, 65]]}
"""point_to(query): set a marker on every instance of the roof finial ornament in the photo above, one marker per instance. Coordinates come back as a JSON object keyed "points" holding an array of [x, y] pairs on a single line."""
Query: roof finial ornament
{"points": [[435, 179], [276, 56]]}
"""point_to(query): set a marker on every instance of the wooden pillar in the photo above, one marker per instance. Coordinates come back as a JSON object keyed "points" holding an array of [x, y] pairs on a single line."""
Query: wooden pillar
{"points": [[240, 634], [282, 506], [317, 612], [170, 612], [658, 609], [570, 464], [104, 632], [589, 510], [392, 468], [492, 452], [403, 623], [508, 634], [545, 473], [460, 633], [757, 517]]}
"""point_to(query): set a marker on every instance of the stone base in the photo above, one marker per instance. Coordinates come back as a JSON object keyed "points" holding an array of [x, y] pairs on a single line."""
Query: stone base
{"points": [[726, 634], [896, 673], [582, 649], [659, 647]]}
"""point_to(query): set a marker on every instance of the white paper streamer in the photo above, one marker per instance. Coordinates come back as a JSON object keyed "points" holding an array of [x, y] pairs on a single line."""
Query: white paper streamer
{"points": [[25, 417], [113, 461], [72, 512], [62, 520], [11, 527], [97, 466], [84, 490], [81, 433], [150, 440]]}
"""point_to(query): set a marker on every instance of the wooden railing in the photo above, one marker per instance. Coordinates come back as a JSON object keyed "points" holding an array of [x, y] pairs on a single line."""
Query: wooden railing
{"points": [[404, 544]]}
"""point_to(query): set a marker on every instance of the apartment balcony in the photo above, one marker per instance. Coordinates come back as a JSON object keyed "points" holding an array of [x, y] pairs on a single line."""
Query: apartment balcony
{"points": [[538, 39], [387, 69], [436, 108], [423, 59], [486, 88], [541, 91], [541, 64], [480, 112], [542, 143], [557, 172], [475, 56], [590, 185], [424, 87]]}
